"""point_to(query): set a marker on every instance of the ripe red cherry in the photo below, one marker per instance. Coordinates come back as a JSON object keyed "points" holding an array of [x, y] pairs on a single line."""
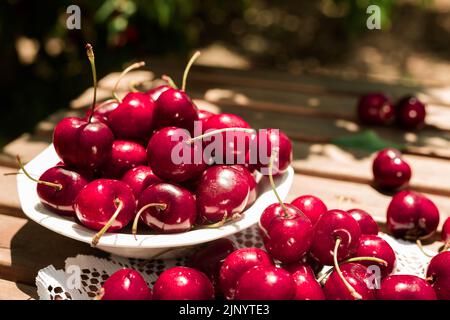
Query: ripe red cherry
{"points": [[251, 183], [154, 93], [375, 109], [139, 178], [333, 225], [166, 208], [390, 171], [105, 205], [183, 283], [410, 113], [203, 115], [163, 146], [209, 259], [236, 264], [307, 287], [221, 193], [355, 274], [82, 144], [445, 234], [411, 215], [125, 155], [439, 273], [102, 111], [374, 246], [310, 206], [405, 287], [265, 283], [57, 188], [133, 117], [125, 284], [366, 223]]}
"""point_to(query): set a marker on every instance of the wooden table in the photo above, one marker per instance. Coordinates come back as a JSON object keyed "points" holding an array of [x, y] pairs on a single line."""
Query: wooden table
{"points": [[311, 109]]}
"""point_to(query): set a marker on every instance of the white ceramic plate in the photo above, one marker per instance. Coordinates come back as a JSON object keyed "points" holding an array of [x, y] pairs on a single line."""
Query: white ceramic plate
{"points": [[146, 245]]}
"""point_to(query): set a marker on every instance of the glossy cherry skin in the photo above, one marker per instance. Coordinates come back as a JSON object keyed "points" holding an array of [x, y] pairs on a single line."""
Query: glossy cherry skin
{"points": [[375, 109], [445, 234], [203, 115], [183, 283], [139, 178], [60, 200], [125, 155], [81, 144], [366, 223], [332, 225], [133, 117], [276, 210], [411, 215], [236, 264], [97, 202], [405, 287], [209, 259], [174, 108], [374, 246], [390, 171], [310, 206], [222, 191], [307, 287], [439, 272], [126, 284], [159, 155], [355, 274], [251, 183], [288, 238], [411, 113], [265, 283], [102, 111], [180, 212], [154, 93]]}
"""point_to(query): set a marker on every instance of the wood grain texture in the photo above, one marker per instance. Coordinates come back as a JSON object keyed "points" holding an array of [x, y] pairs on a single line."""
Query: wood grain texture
{"points": [[16, 291]]}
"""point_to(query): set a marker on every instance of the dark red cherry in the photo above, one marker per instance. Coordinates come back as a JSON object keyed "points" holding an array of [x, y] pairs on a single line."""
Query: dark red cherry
{"points": [[251, 183], [105, 205], [366, 223], [438, 273], [172, 158], [139, 178], [182, 283], [355, 274], [333, 225], [236, 264], [374, 246], [411, 215], [389, 169], [310, 206], [176, 213], [102, 111], [125, 155], [445, 234], [125, 284], [375, 109], [265, 283], [154, 93], [307, 287], [221, 193], [81, 144], [411, 113], [133, 117], [405, 287]]}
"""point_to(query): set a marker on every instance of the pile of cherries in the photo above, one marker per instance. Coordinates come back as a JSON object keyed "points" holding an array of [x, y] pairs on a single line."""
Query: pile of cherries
{"points": [[377, 109], [117, 167]]}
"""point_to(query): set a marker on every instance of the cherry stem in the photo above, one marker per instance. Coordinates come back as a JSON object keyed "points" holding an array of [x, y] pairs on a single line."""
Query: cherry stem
{"points": [[162, 206], [57, 186], [113, 218], [214, 132], [272, 183], [446, 246], [91, 57], [169, 80], [188, 67], [124, 72], [420, 246], [325, 275], [374, 259], [100, 295], [352, 290]]}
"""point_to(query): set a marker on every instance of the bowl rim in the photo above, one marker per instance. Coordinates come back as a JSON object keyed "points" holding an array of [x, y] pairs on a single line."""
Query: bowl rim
{"points": [[68, 227]]}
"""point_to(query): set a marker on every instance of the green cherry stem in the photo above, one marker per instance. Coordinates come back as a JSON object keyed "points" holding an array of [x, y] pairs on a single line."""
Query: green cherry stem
{"points": [[161, 206], [91, 57], [352, 290], [124, 72], [57, 186], [113, 218], [188, 67]]}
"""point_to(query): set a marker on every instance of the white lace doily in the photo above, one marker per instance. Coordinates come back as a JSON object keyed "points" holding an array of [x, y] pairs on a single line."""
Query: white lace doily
{"points": [[84, 275]]}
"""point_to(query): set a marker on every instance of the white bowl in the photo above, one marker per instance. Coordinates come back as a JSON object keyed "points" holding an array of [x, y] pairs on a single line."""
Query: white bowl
{"points": [[146, 245]]}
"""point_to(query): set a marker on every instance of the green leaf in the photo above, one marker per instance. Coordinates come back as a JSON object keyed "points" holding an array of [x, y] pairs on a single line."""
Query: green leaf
{"points": [[367, 140]]}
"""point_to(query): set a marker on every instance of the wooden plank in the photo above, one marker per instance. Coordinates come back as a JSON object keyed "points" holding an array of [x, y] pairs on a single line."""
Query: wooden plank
{"points": [[9, 199], [16, 291]]}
